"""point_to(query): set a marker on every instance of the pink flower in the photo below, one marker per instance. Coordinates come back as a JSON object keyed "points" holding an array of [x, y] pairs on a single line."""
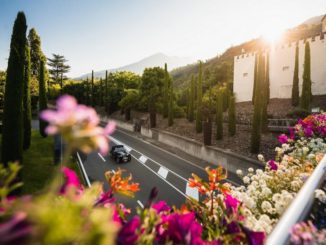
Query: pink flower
{"points": [[71, 180], [161, 206], [272, 165], [78, 125], [283, 139], [128, 232], [231, 202]]}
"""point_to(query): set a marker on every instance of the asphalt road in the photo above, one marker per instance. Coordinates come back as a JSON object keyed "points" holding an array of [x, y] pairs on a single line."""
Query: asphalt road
{"points": [[150, 166]]}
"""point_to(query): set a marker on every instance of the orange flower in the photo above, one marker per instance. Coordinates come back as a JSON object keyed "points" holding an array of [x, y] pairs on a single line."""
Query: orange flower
{"points": [[121, 184]]}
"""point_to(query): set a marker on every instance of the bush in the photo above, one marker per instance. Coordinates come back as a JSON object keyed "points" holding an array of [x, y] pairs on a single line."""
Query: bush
{"points": [[298, 113], [178, 111]]}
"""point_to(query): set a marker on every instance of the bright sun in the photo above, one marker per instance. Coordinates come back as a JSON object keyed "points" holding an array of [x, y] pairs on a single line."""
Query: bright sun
{"points": [[272, 35]]}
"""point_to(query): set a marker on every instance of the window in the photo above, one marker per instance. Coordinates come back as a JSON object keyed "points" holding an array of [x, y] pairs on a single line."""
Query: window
{"points": [[245, 74], [285, 68]]}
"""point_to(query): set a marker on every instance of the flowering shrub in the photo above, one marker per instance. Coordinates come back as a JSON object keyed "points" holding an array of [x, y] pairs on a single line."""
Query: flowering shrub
{"points": [[68, 213], [267, 193]]}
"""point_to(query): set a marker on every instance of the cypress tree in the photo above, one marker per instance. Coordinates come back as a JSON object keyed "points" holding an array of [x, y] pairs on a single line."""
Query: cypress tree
{"points": [[295, 86], [219, 115], [106, 100], [92, 90], [192, 99], [306, 95], [167, 91], [171, 98], [12, 135], [87, 92], [255, 80], [232, 116], [199, 125], [265, 98], [101, 92], [43, 100], [256, 122], [27, 113]]}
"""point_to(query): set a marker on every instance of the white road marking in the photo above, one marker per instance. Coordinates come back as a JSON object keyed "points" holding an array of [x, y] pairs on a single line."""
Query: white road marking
{"points": [[143, 159], [83, 170], [163, 172], [100, 155], [161, 177], [192, 192], [119, 142], [140, 204]]}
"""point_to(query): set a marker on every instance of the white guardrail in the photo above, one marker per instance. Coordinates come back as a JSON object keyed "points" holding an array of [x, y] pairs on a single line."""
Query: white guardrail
{"points": [[299, 207]]}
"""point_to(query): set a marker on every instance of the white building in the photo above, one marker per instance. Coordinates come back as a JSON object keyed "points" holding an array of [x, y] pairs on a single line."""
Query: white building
{"points": [[281, 68]]}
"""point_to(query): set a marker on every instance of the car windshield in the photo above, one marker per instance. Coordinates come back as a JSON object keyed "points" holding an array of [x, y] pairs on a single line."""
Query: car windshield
{"points": [[119, 149]]}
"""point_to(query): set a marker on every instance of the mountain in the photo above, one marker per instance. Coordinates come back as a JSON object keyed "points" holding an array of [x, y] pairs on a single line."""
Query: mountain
{"points": [[157, 59]]}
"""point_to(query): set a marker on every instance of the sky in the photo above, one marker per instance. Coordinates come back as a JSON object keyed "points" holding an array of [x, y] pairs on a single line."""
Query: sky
{"points": [[104, 34]]}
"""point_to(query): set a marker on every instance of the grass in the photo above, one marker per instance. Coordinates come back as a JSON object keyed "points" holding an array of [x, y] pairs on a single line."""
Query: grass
{"points": [[38, 167]]}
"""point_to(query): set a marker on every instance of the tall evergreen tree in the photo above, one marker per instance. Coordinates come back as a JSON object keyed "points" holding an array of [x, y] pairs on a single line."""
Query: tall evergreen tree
{"points": [[92, 89], [58, 69], [192, 99], [255, 80], [295, 86], [27, 112], [256, 122], [106, 100], [43, 100], [219, 115], [232, 116], [306, 95], [101, 92], [199, 123], [88, 91], [12, 135], [265, 95], [35, 52], [167, 91], [171, 102]]}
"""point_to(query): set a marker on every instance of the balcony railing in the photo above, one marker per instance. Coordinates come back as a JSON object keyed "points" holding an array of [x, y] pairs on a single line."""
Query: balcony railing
{"points": [[299, 207]]}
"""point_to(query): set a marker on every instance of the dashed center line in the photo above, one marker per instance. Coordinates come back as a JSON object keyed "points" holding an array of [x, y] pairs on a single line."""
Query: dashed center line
{"points": [[163, 172], [100, 155], [143, 159]]}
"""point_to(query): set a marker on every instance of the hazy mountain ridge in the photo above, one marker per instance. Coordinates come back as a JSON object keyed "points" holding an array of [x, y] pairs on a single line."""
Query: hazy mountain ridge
{"points": [[157, 59]]}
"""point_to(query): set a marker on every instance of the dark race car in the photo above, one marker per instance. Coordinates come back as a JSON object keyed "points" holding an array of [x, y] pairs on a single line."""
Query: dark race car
{"points": [[119, 154]]}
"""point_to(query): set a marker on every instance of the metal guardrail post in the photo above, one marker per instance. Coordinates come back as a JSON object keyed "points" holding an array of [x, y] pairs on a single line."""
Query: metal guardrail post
{"points": [[299, 207]]}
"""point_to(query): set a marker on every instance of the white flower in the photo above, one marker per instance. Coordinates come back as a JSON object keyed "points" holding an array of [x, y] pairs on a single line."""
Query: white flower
{"points": [[266, 206], [305, 150], [246, 180], [266, 191], [259, 172], [320, 195], [239, 172], [261, 157], [250, 170]]}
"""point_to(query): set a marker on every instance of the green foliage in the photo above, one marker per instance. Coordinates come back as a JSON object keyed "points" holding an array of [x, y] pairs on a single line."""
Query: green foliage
{"points": [[92, 90], [232, 116], [8, 176], [76, 89], [258, 106], [171, 104], [129, 101], [43, 100], [27, 112], [192, 99], [36, 53], [199, 123], [150, 90], [306, 95], [265, 96], [166, 92], [298, 113], [2, 89], [255, 80], [58, 69], [295, 86], [12, 135], [219, 116]]}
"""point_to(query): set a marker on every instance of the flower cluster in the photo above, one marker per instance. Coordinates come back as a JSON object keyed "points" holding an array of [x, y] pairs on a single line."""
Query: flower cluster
{"points": [[267, 193], [307, 233], [78, 125]]}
